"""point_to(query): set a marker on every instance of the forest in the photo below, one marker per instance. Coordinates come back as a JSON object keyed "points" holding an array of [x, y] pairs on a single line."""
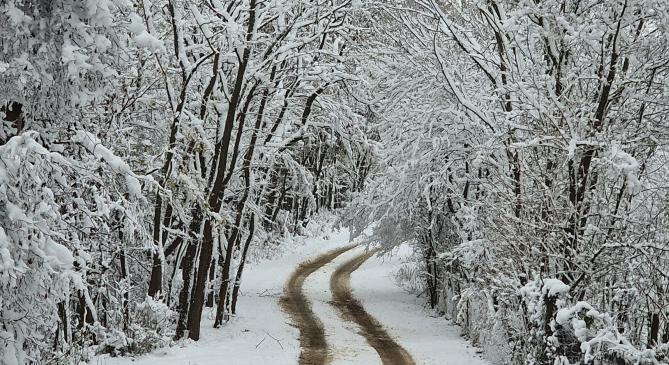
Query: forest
{"points": [[153, 151]]}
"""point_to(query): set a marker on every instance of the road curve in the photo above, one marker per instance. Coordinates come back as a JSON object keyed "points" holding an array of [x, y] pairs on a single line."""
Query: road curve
{"points": [[391, 352], [297, 306]]}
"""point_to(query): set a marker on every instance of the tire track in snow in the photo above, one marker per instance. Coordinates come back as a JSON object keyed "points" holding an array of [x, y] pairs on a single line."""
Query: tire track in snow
{"points": [[391, 352], [297, 306]]}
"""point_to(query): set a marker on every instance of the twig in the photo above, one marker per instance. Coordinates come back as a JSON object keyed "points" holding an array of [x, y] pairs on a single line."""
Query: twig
{"points": [[274, 338]]}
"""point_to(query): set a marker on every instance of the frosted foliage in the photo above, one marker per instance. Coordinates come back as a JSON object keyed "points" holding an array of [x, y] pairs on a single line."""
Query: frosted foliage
{"points": [[35, 264], [147, 147], [139, 136], [55, 55], [41, 262], [93, 145], [142, 38], [522, 149]]}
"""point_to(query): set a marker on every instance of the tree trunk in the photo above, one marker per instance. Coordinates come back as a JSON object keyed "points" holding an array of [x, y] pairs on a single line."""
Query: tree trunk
{"points": [[240, 269], [125, 309], [187, 266], [212, 276], [653, 334], [246, 168], [215, 198]]}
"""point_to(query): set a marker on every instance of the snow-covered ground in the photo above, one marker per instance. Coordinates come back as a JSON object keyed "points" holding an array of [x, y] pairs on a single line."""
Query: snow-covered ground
{"points": [[347, 346], [262, 334], [430, 340]]}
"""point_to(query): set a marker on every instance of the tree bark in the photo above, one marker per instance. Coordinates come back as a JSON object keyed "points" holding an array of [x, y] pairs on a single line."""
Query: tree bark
{"points": [[216, 194], [240, 269], [246, 168]]}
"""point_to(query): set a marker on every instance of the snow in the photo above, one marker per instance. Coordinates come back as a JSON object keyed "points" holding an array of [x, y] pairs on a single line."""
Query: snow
{"points": [[58, 256], [78, 283], [625, 164], [469, 252], [201, 22], [6, 261], [146, 40], [91, 143], [74, 57], [553, 287], [99, 11], [15, 213], [565, 314], [348, 347], [143, 38], [15, 14], [430, 339], [262, 334]]}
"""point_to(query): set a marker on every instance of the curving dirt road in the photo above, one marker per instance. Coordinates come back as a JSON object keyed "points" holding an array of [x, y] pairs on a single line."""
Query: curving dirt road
{"points": [[295, 303], [391, 352], [314, 346]]}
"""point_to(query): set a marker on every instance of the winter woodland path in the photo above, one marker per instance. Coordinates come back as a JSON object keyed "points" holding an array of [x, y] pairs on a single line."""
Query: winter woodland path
{"points": [[295, 303], [323, 302], [391, 352], [315, 350]]}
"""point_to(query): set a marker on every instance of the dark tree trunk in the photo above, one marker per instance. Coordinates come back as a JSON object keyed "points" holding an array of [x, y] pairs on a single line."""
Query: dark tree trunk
{"points": [[212, 276], [187, 268], [125, 308], [654, 332], [246, 168], [63, 326], [549, 312], [240, 269], [216, 194], [156, 281]]}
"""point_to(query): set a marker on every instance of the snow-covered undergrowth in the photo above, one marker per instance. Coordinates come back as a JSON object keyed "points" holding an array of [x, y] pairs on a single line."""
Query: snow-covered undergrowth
{"points": [[43, 260], [579, 332], [536, 322], [543, 310]]}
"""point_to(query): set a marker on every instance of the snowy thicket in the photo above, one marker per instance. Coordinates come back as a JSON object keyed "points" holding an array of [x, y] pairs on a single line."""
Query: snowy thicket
{"points": [[146, 145], [523, 148]]}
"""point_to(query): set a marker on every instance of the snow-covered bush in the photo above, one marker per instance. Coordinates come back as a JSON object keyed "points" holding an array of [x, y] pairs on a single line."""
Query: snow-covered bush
{"points": [[594, 338], [154, 314], [408, 276], [152, 327], [52, 216], [37, 265], [133, 341], [550, 327]]}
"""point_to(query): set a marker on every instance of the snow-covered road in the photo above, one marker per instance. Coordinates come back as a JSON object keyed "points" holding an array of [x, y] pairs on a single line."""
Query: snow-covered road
{"points": [[263, 334], [345, 345], [429, 339]]}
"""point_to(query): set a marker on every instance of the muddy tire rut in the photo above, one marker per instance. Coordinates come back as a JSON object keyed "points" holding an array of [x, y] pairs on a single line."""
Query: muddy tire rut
{"points": [[297, 306], [313, 342], [391, 352]]}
